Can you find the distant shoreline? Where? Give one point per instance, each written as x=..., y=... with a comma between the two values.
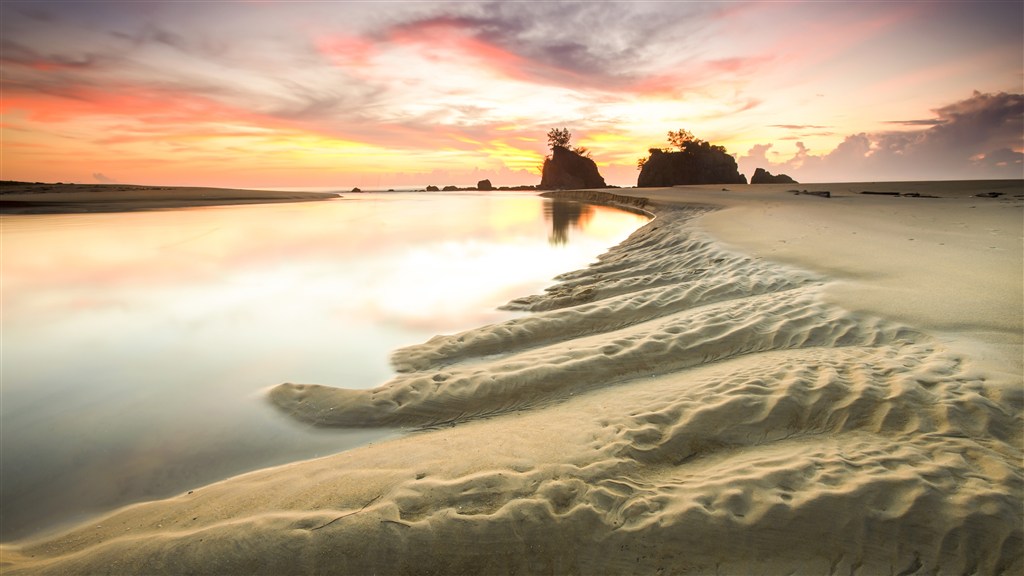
x=39, y=198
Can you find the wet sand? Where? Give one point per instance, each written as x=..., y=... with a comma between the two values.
x=77, y=198
x=756, y=381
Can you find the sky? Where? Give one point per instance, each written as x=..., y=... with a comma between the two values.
x=388, y=94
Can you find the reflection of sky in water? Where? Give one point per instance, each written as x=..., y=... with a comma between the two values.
x=136, y=346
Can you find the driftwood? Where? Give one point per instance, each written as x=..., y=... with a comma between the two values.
x=821, y=193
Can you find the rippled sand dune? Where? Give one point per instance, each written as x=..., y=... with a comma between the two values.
x=681, y=406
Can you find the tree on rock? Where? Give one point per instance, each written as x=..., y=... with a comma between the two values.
x=680, y=138
x=696, y=162
x=559, y=137
x=568, y=168
x=684, y=140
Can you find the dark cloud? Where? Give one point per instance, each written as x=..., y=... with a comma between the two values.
x=193, y=42
x=19, y=54
x=978, y=137
x=537, y=32
x=606, y=54
x=978, y=121
x=153, y=33
x=1002, y=160
x=38, y=13
x=551, y=60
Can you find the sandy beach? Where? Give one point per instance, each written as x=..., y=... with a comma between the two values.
x=758, y=381
x=26, y=198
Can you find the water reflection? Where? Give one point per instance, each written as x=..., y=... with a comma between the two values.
x=565, y=214
x=137, y=345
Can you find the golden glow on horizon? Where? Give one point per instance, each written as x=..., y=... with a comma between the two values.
x=406, y=96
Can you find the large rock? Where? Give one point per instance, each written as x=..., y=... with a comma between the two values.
x=484, y=185
x=698, y=163
x=567, y=170
x=762, y=176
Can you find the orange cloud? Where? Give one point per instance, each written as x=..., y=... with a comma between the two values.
x=138, y=103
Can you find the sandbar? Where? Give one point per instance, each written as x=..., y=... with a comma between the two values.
x=26, y=198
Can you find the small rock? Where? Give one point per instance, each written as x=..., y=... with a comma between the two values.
x=762, y=176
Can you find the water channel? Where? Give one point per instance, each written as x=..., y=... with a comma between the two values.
x=137, y=347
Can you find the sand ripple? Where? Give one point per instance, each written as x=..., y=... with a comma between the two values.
x=760, y=411
x=665, y=300
x=676, y=407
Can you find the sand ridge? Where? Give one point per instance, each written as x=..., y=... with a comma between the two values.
x=679, y=406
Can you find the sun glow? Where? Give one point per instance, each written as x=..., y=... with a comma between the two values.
x=421, y=88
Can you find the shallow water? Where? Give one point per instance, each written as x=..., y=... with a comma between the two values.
x=137, y=347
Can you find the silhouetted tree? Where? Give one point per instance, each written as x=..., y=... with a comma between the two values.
x=681, y=138
x=562, y=137
x=568, y=167
x=582, y=151
x=559, y=137
x=696, y=162
x=684, y=139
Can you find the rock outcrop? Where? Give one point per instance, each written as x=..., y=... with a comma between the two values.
x=567, y=170
x=484, y=185
x=762, y=176
x=697, y=163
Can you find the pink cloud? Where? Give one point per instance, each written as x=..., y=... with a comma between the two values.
x=347, y=51
x=442, y=38
x=78, y=102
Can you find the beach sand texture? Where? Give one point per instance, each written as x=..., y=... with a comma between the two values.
x=754, y=382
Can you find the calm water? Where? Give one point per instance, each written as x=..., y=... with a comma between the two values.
x=137, y=347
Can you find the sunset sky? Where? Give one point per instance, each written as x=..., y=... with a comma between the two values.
x=388, y=94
